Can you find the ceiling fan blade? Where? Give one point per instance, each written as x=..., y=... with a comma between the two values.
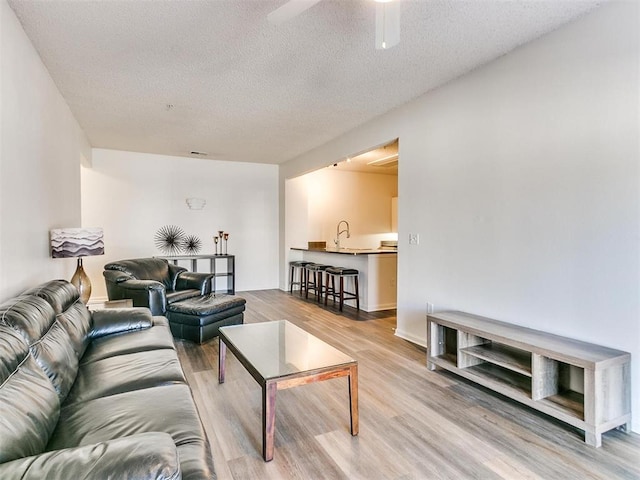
x=387, y=24
x=289, y=10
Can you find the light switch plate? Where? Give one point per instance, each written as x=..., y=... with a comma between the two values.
x=414, y=239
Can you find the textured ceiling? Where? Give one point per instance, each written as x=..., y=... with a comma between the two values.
x=243, y=89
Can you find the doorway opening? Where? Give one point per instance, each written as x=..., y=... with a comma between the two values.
x=362, y=190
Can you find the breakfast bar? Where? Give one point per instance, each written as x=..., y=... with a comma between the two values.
x=377, y=267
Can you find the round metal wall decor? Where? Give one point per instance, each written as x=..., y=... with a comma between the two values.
x=192, y=245
x=170, y=239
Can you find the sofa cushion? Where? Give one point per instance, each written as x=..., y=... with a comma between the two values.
x=210, y=304
x=56, y=356
x=135, y=412
x=60, y=294
x=180, y=295
x=31, y=316
x=48, y=340
x=143, y=456
x=71, y=312
x=29, y=405
x=125, y=373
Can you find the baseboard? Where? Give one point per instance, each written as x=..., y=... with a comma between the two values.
x=411, y=338
x=380, y=307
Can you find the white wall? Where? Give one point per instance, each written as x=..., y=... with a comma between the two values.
x=132, y=195
x=41, y=147
x=522, y=179
x=296, y=218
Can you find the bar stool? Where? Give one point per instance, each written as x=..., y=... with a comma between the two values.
x=297, y=267
x=314, y=279
x=342, y=294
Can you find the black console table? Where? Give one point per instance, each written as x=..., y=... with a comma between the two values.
x=228, y=270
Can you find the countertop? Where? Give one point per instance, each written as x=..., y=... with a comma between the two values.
x=348, y=251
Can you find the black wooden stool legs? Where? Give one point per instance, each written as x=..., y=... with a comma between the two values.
x=341, y=293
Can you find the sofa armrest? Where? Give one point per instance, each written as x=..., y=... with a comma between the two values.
x=174, y=271
x=144, y=293
x=194, y=280
x=117, y=320
x=116, y=276
x=150, y=455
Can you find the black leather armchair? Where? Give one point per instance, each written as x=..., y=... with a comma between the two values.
x=153, y=283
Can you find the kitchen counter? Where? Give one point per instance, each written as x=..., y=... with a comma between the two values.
x=348, y=251
x=377, y=277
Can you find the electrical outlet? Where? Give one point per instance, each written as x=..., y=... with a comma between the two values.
x=414, y=239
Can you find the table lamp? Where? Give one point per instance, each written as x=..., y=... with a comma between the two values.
x=78, y=242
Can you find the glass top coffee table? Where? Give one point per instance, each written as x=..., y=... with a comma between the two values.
x=280, y=355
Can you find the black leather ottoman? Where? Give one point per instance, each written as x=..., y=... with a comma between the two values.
x=198, y=319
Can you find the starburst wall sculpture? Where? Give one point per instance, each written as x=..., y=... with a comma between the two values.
x=192, y=245
x=171, y=240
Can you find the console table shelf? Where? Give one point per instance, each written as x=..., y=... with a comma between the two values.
x=582, y=384
x=227, y=271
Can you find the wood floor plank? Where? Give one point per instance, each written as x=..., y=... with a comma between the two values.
x=357, y=458
x=414, y=423
x=508, y=468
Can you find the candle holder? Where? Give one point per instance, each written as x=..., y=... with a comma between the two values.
x=215, y=240
x=226, y=238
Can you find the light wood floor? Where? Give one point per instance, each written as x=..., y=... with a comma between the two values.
x=414, y=424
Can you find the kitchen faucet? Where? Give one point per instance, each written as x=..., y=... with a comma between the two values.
x=338, y=232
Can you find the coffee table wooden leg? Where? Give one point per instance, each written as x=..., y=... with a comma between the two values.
x=353, y=399
x=268, y=419
x=222, y=358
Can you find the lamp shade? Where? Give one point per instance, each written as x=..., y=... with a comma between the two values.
x=76, y=242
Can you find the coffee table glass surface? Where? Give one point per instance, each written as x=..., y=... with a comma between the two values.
x=280, y=355
x=280, y=348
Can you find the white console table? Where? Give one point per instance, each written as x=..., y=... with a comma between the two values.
x=537, y=369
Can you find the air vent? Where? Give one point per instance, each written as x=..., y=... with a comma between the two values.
x=199, y=153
